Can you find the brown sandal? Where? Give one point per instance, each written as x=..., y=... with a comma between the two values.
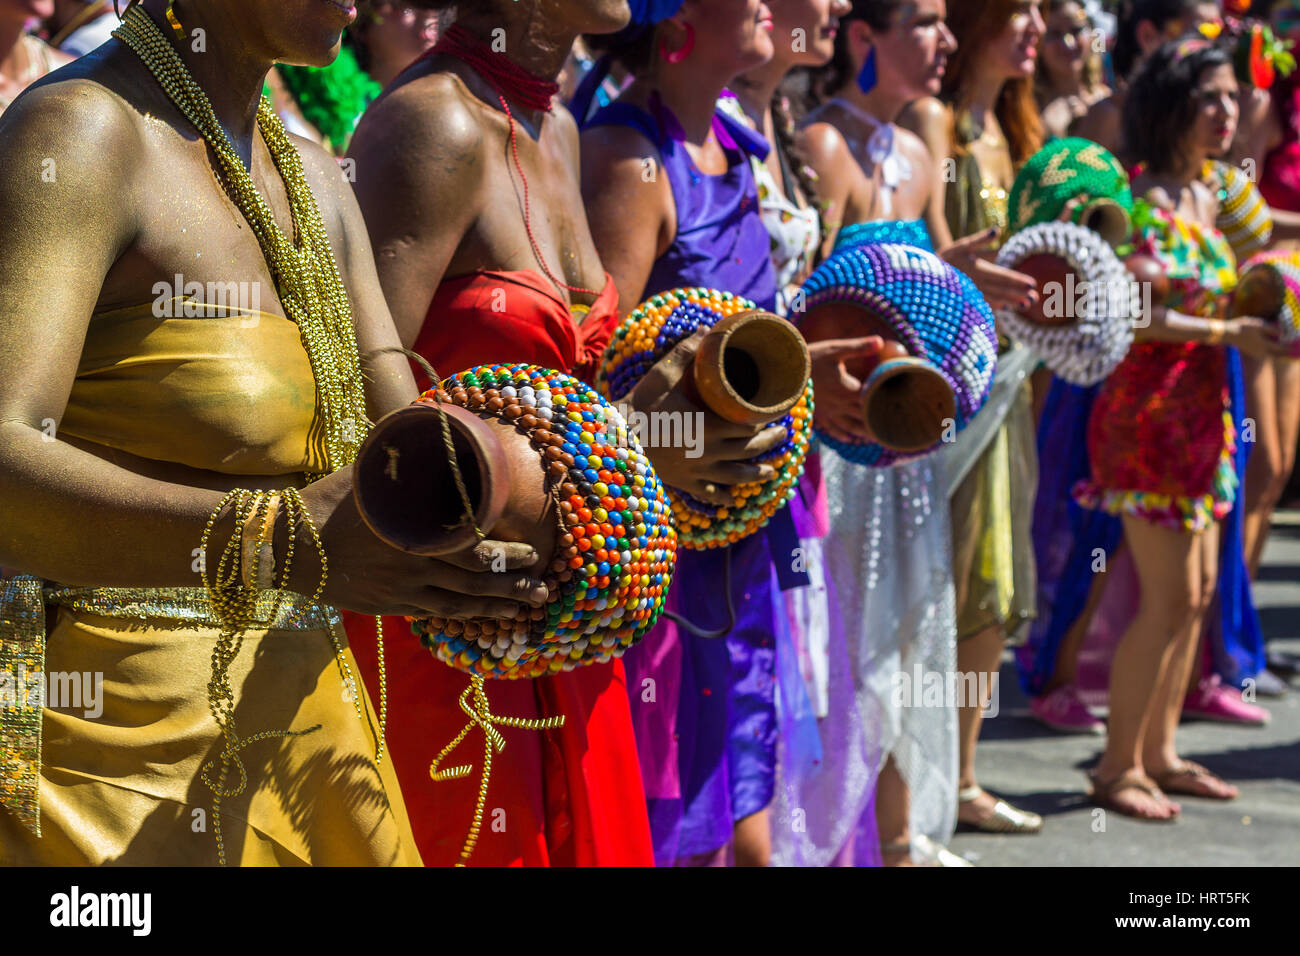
x=1180, y=780
x=1103, y=794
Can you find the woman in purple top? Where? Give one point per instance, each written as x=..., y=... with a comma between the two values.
x=672, y=202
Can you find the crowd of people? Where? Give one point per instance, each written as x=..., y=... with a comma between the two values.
x=503, y=182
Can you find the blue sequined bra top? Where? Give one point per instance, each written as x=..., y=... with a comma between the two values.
x=908, y=232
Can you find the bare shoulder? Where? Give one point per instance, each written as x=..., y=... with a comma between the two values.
x=913, y=148
x=429, y=125
x=924, y=113
x=75, y=132
x=930, y=119
x=327, y=177
x=616, y=163
x=630, y=207
x=77, y=106
x=615, y=141
x=822, y=143
x=826, y=150
x=1107, y=106
x=1101, y=123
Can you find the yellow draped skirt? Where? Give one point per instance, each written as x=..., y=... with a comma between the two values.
x=123, y=786
x=992, y=512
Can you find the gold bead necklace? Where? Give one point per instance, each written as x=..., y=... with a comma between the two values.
x=306, y=275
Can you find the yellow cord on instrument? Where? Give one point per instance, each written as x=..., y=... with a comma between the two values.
x=474, y=702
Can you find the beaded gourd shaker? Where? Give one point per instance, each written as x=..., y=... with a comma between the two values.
x=1281, y=272
x=615, y=551
x=1092, y=310
x=1067, y=169
x=644, y=337
x=937, y=314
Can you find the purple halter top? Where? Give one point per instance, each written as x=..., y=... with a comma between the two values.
x=721, y=241
x=708, y=755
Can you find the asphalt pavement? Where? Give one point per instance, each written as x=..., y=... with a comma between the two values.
x=1038, y=769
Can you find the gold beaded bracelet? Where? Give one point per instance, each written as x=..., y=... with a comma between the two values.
x=257, y=551
x=234, y=605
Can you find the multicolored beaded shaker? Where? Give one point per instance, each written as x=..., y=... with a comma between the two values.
x=644, y=337
x=617, y=547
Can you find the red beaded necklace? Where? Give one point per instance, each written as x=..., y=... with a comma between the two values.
x=529, y=89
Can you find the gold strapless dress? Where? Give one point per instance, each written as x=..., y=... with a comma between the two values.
x=234, y=395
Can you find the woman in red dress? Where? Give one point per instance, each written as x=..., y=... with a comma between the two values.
x=468, y=180
x=1160, y=438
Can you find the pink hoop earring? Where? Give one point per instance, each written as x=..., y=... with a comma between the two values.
x=676, y=56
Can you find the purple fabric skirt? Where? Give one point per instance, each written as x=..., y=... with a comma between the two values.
x=704, y=710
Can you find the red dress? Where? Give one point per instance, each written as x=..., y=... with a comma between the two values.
x=1161, y=438
x=1280, y=184
x=565, y=797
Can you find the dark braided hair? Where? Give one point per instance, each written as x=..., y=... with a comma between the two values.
x=784, y=128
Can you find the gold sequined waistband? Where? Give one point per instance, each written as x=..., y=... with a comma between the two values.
x=190, y=607
x=22, y=651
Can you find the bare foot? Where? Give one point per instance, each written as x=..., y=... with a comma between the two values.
x=1134, y=794
x=1193, y=780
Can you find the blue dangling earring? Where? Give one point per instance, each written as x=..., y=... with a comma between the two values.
x=867, y=77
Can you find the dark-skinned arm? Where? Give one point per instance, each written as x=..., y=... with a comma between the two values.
x=53, y=492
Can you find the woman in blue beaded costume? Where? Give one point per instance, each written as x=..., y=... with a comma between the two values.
x=984, y=125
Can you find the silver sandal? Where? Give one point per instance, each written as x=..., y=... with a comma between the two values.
x=1005, y=818
x=925, y=852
